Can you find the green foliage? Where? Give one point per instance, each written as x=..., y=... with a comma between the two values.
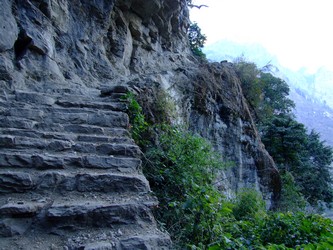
x=251, y=86
x=182, y=167
x=291, y=196
x=279, y=231
x=314, y=172
x=296, y=229
x=303, y=155
x=164, y=108
x=284, y=139
x=157, y=105
x=248, y=205
x=275, y=95
x=196, y=39
x=266, y=94
x=138, y=125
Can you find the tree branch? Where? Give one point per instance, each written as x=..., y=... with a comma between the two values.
x=196, y=6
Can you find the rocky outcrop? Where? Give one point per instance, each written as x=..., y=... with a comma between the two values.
x=209, y=100
x=218, y=111
x=70, y=173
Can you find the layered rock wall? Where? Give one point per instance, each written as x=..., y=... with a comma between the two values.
x=51, y=43
x=217, y=110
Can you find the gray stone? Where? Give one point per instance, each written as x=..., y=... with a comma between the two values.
x=146, y=242
x=8, y=27
x=110, y=119
x=7, y=141
x=15, y=122
x=121, y=164
x=107, y=91
x=22, y=209
x=15, y=182
x=83, y=129
x=91, y=182
x=30, y=97
x=6, y=67
x=116, y=106
x=98, y=246
x=111, y=183
x=32, y=160
x=14, y=226
x=146, y=9
x=97, y=214
x=118, y=149
x=56, y=181
x=34, y=28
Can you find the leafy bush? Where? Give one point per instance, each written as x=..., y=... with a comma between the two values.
x=182, y=167
x=296, y=229
x=292, y=199
x=138, y=124
x=248, y=205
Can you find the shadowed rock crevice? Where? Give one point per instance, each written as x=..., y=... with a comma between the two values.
x=22, y=44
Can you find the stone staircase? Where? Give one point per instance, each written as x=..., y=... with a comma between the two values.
x=70, y=174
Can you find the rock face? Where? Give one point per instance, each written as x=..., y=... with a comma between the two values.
x=70, y=174
x=218, y=111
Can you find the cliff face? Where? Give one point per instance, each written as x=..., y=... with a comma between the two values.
x=63, y=67
x=51, y=44
x=218, y=111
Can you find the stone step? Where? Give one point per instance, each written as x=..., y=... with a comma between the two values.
x=54, y=145
x=106, y=91
x=21, y=99
x=150, y=240
x=14, y=181
x=16, y=122
x=113, y=106
x=32, y=159
x=64, y=214
x=45, y=197
x=105, y=94
x=69, y=116
x=97, y=213
x=112, y=101
x=26, y=124
x=24, y=207
x=117, y=136
x=116, y=237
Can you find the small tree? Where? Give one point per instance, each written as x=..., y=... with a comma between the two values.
x=197, y=40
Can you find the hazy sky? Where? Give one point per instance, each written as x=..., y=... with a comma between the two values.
x=298, y=32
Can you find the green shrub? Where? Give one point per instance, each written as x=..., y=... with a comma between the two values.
x=248, y=205
x=196, y=39
x=138, y=125
x=182, y=168
x=291, y=198
x=296, y=229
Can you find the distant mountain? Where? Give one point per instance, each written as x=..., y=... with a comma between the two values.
x=312, y=93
